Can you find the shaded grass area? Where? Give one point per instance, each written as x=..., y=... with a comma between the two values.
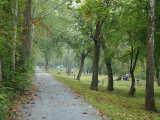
x=116, y=104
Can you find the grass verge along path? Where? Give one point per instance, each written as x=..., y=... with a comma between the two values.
x=114, y=104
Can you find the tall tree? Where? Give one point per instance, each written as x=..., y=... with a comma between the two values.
x=0, y=68
x=27, y=32
x=108, y=66
x=149, y=100
x=157, y=41
x=95, y=12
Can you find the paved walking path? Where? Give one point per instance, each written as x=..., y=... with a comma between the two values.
x=56, y=101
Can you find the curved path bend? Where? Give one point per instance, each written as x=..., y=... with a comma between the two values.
x=56, y=101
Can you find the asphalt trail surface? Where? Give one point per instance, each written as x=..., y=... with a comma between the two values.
x=56, y=101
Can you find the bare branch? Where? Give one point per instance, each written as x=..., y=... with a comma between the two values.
x=54, y=9
x=38, y=5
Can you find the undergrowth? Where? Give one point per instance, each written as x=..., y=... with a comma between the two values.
x=11, y=90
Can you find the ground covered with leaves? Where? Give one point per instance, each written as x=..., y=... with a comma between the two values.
x=11, y=99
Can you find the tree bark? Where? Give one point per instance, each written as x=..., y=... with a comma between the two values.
x=132, y=88
x=47, y=66
x=149, y=99
x=157, y=75
x=15, y=33
x=109, y=68
x=84, y=68
x=81, y=67
x=27, y=32
x=132, y=69
x=102, y=68
x=0, y=68
x=110, y=76
x=97, y=40
x=68, y=68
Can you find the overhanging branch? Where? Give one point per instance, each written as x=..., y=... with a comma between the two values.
x=54, y=9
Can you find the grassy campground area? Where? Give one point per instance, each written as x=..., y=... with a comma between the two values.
x=117, y=105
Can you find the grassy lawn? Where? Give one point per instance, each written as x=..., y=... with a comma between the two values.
x=117, y=105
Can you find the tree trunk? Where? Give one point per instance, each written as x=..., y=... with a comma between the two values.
x=15, y=33
x=157, y=75
x=0, y=68
x=97, y=40
x=47, y=66
x=132, y=89
x=81, y=68
x=101, y=71
x=27, y=32
x=110, y=76
x=149, y=99
x=132, y=69
x=109, y=68
x=32, y=27
x=84, y=68
x=68, y=68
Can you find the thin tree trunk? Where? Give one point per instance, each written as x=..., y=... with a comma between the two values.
x=132, y=69
x=68, y=69
x=15, y=33
x=84, y=68
x=102, y=68
x=32, y=27
x=132, y=88
x=97, y=40
x=47, y=66
x=110, y=77
x=149, y=99
x=0, y=67
x=81, y=68
x=157, y=75
x=109, y=68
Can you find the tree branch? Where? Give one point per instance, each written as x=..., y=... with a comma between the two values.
x=87, y=53
x=105, y=15
x=38, y=5
x=54, y=9
x=136, y=59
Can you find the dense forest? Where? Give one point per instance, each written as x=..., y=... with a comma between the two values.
x=96, y=37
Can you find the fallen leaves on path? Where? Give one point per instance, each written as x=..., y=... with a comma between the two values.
x=84, y=112
x=61, y=102
x=44, y=117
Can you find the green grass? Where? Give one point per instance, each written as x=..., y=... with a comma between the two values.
x=116, y=104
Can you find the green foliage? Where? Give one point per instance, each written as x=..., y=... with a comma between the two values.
x=7, y=96
x=16, y=73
